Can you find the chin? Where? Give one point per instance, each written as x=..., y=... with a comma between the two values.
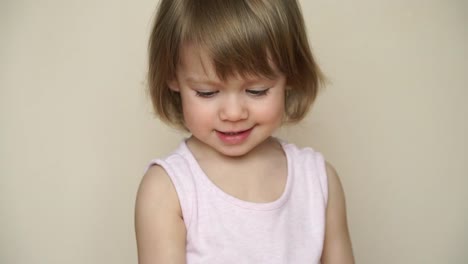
x=234, y=152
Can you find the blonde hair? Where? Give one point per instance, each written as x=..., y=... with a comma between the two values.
x=242, y=37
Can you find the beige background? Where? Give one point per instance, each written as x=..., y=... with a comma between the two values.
x=77, y=129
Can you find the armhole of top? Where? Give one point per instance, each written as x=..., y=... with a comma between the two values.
x=322, y=172
x=179, y=187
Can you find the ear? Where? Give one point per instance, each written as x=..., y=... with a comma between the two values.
x=173, y=85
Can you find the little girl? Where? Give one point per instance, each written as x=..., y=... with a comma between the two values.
x=230, y=72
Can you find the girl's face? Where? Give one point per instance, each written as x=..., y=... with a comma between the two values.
x=232, y=116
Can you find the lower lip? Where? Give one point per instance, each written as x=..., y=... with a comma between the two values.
x=234, y=139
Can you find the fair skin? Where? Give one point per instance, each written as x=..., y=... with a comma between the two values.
x=231, y=122
x=213, y=108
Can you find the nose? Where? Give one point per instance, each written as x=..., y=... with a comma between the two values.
x=233, y=109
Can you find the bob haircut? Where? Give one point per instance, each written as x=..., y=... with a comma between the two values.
x=242, y=37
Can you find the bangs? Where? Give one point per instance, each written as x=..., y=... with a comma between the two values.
x=240, y=38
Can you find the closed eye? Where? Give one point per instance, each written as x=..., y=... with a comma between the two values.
x=206, y=94
x=258, y=92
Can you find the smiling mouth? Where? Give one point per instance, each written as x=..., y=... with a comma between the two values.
x=234, y=137
x=234, y=133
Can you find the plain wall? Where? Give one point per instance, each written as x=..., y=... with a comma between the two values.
x=77, y=127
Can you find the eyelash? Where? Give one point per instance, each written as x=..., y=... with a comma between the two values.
x=255, y=93
x=259, y=92
x=206, y=94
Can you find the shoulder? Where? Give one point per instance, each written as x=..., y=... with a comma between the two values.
x=336, y=197
x=156, y=188
x=159, y=226
x=301, y=154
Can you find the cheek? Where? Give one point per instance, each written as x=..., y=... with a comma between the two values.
x=196, y=115
x=272, y=112
x=275, y=114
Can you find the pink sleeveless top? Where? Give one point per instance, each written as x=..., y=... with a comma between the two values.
x=223, y=229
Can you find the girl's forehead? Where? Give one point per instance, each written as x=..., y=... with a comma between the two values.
x=194, y=59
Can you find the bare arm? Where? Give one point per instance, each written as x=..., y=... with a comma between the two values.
x=337, y=246
x=159, y=226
